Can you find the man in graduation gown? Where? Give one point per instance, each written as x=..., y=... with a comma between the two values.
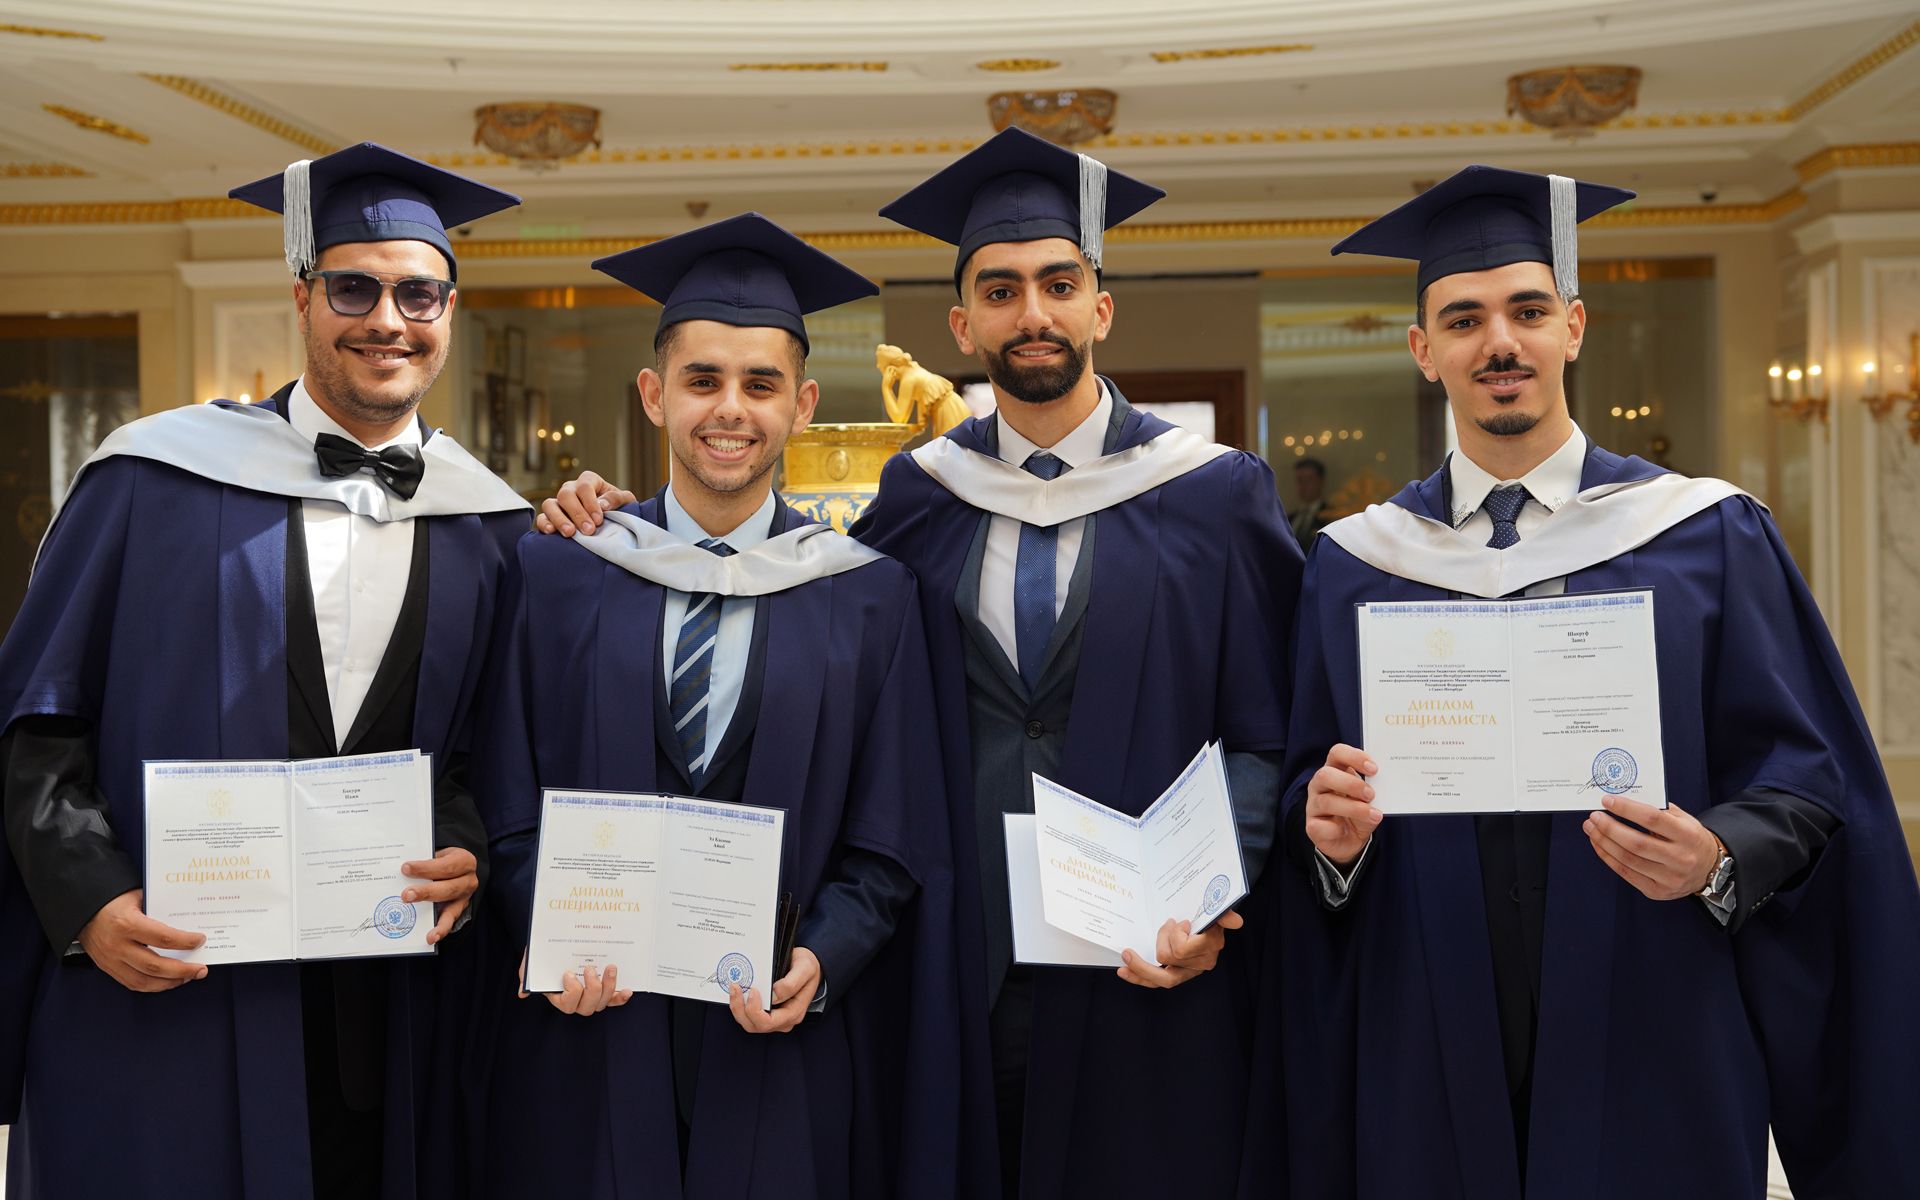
x=1614, y=1003
x=1104, y=592
x=709, y=642
x=312, y=575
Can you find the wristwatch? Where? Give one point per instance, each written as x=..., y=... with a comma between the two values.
x=1720, y=879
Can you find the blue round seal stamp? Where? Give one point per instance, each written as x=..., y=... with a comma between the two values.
x=734, y=968
x=1615, y=772
x=1216, y=893
x=394, y=917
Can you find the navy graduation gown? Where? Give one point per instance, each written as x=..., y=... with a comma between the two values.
x=1184, y=641
x=1665, y=1045
x=157, y=614
x=855, y=1101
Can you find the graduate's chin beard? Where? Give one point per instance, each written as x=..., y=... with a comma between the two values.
x=371, y=408
x=1508, y=424
x=1037, y=385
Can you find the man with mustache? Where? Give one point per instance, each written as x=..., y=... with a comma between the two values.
x=786, y=669
x=1100, y=648
x=1620, y=1002
x=308, y=576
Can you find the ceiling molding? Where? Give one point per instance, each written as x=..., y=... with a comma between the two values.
x=239, y=110
x=1213, y=55
x=1880, y=154
x=97, y=124
x=1855, y=71
x=42, y=170
x=38, y=31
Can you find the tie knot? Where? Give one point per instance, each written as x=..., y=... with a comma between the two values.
x=716, y=546
x=1503, y=504
x=1044, y=464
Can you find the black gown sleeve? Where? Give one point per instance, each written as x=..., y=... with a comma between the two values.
x=70, y=862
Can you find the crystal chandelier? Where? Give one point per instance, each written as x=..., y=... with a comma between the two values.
x=1572, y=101
x=537, y=134
x=1065, y=116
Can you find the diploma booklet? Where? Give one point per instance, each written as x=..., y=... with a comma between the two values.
x=682, y=895
x=1538, y=704
x=279, y=860
x=1113, y=880
x=1035, y=941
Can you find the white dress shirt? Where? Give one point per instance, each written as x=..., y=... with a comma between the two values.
x=733, y=645
x=1549, y=487
x=1077, y=449
x=358, y=569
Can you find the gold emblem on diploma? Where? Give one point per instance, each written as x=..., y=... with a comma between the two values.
x=1440, y=644
x=219, y=804
x=603, y=835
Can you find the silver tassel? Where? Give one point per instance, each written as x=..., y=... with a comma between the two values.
x=1563, y=208
x=296, y=223
x=1093, y=209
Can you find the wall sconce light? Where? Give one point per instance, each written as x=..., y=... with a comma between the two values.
x=1792, y=391
x=1881, y=403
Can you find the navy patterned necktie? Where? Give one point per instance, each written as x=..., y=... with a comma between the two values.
x=1034, y=580
x=1503, y=504
x=689, y=689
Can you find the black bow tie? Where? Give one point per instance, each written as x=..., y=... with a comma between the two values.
x=399, y=467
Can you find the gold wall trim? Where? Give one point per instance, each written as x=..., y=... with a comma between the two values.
x=604, y=296
x=42, y=170
x=239, y=110
x=38, y=31
x=1173, y=56
x=1882, y=154
x=128, y=212
x=1017, y=64
x=97, y=124
x=1855, y=71
x=209, y=208
x=807, y=66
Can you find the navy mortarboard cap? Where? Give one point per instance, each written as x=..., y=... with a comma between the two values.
x=368, y=193
x=1016, y=187
x=744, y=270
x=1487, y=217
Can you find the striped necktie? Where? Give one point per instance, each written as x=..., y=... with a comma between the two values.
x=689, y=688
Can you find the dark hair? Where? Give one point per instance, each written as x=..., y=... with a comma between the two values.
x=1312, y=464
x=667, y=336
x=1420, y=308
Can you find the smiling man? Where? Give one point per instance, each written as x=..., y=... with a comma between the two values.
x=1614, y=1003
x=308, y=576
x=786, y=669
x=1100, y=646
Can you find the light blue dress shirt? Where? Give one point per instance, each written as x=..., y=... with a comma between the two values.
x=734, y=643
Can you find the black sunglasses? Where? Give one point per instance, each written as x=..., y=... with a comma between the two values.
x=357, y=293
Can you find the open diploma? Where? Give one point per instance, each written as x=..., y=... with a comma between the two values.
x=1528, y=705
x=1113, y=880
x=290, y=860
x=680, y=894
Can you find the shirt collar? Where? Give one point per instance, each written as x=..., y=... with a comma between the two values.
x=742, y=538
x=1077, y=449
x=1552, y=483
x=309, y=420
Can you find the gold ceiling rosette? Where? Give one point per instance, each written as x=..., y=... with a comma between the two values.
x=1063, y=116
x=1572, y=102
x=537, y=134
